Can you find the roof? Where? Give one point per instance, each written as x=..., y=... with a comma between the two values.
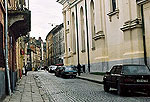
x=55, y=30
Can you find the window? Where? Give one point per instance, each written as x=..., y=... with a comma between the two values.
x=82, y=30
x=68, y=22
x=2, y=61
x=73, y=33
x=92, y=23
x=113, y=70
x=118, y=70
x=113, y=5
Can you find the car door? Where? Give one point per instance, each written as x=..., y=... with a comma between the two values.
x=112, y=72
x=117, y=76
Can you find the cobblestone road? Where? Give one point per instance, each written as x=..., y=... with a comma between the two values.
x=77, y=90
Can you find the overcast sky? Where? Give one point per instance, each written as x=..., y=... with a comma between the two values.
x=44, y=13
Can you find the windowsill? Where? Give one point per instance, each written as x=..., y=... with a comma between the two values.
x=93, y=48
x=83, y=51
x=111, y=13
x=98, y=36
x=74, y=53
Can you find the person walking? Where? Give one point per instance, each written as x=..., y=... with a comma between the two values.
x=79, y=69
x=26, y=70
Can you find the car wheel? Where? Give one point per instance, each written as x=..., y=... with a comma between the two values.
x=148, y=93
x=119, y=89
x=106, y=87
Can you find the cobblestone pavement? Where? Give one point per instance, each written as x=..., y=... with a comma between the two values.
x=77, y=90
x=27, y=91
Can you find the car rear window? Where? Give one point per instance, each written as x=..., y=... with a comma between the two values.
x=69, y=69
x=136, y=70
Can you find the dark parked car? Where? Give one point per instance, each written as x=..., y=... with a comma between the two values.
x=69, y=71
x=58, y=71
x=66, y=71
x=128, y=77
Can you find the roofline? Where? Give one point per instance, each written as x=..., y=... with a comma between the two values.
x=54, y=29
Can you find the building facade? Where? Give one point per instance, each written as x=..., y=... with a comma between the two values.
x=2, y=43
x=49, y=49
x=145, y=15
x=55, y=46
x=18, y=25
x=100, y=33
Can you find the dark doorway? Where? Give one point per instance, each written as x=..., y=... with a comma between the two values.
x=2, y=61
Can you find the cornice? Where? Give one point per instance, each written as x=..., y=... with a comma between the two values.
x=62, y=1
x=132, y=24
x=139, y=2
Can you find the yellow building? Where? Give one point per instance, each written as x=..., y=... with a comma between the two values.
x=145, y=15
x=49, y=49
x=18, y=24
x=100, y=33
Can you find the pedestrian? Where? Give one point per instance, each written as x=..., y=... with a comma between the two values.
x=79, y=69
x=26, y=70
x=83, y=68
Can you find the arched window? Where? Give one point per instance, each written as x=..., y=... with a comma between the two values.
x=2, y=61
x=92, y=23
x=82, y=29
x=73, y=33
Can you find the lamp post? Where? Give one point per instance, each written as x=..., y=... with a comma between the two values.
x=6, y=46
x=87, y=36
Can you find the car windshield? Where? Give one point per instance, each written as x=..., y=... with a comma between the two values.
x=136, y=70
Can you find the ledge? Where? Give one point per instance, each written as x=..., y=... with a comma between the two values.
x=98, y=36
x=139, y=2
x=83, y=50
x=111, y=13
x=67, y=31
x=132, y=24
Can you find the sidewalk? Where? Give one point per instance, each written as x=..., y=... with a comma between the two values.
x=91, y=77
x=27, y=91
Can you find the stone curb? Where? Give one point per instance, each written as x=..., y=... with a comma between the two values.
x=92, y=80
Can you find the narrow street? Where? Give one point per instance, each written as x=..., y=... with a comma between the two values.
x=77, y=90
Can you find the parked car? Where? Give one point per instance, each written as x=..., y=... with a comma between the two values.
x=52, y=68
x=58, y=71
x=128, y=77
x=66, y=71
x=69, y=71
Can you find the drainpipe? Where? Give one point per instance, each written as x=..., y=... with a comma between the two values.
x=143, y=33
x=87, y=36
x=6, y=46
x=77, y=34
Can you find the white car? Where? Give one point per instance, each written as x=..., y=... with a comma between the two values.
x=52, y=68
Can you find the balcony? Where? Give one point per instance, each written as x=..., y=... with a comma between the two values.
x=139, y=2
x=19, y=22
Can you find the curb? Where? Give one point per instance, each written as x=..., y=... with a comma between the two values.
x=99, y=82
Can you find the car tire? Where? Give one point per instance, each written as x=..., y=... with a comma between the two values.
x=106, y=87
x=148, y=93
x=119, y=89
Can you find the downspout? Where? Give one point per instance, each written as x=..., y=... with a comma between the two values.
x=87, y=37
x=6, y=47
x=143, y=34
x=77, y=34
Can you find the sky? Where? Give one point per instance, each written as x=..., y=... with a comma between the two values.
x=44, y=13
